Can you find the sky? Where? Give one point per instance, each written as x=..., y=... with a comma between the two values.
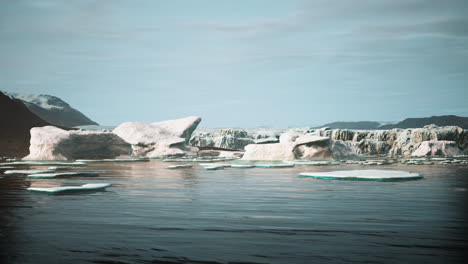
x=243, y=63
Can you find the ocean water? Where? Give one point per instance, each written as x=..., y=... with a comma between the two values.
x=155, y=215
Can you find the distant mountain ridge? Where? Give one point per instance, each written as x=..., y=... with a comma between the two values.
x=53, y=109
x=447, y=120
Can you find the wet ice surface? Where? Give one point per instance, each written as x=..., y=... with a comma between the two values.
x=154, y=215
x=387, y=175
x=84, y=187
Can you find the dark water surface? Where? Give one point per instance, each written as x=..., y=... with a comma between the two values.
x=155, y=215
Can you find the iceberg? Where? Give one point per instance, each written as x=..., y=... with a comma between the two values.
x=11, y=172
x=364, y=175
x=159, y=139
x=85, y=187
x=53, y=143
x=63, y=174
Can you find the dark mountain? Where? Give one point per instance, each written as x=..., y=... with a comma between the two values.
x=53, y=110
x=15, y=122
x=367, y=125
x=448, y=120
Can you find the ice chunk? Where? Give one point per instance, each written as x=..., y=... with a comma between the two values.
x=45, y=163
x=113, y=160
x=214, y=164
x=11, y=172
x=56, y=168
x=198, y=160
x=85, y=187
x=7, y=168
x=63, y=174
x=214, y=167
x=242, y=166
x=179, y=166
x=371, y=175
x=313, y=162
x=273, y=165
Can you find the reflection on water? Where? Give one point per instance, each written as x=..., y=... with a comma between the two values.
x=155, y=215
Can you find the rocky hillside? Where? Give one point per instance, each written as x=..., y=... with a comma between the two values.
x=53, y=110
x=448, y=120
x=15, y=121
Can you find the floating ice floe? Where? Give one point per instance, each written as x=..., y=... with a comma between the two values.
x=313, y=162
x=242, y=166
x=214, y=167
x=198, y=160
x=6, y=167
x=225, y=165
x=43, y=163
x=371, y=175
x=266, y=165
x=85, y=187
x=63, y=174
x=179, y=166
x=56, y=168
x=113, y=160
x=11, y=172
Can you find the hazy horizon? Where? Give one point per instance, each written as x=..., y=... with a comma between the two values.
x=243, y=63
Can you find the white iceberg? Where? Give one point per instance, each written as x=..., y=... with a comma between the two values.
x=63, y=174
x=371, y=175
x=159, y=139
x=53, y=143
x=85, y=187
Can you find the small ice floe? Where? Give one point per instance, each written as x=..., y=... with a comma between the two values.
x=313, y=162
x=6, y=167
x=11, y=172
x=62, y=174
x=44, y=163
x=85, y=187
x=369, y=175
x=214, y=167
x=242, y=166
x=58, y=168
x=179, y=166
x=225, y=165
x=198, y=160
x=273, y=165
x=113, y=160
